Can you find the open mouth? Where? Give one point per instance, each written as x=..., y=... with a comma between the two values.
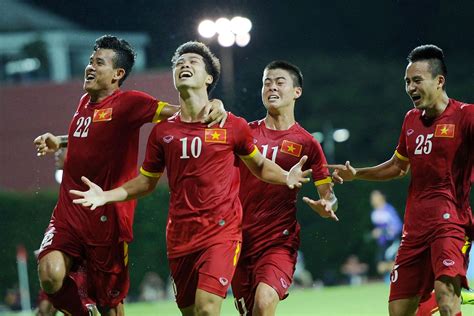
x=273, y=97
x=185, y=74
x=90, y=77
x=415, y=98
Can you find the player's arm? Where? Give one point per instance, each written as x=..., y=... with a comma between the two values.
x=268, y=171
x=49, y=143
x=326, y=206
x=139, y=186
x=395, y=167
x=214, y=112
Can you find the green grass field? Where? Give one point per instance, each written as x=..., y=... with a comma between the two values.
x=364, y=300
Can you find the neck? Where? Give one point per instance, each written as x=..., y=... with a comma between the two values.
x=100, y=95
x=193, y=103
x=280, y=121
x=438, y=107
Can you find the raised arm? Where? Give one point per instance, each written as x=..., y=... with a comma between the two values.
x=395, y=167
x=49, y=143
x=139, y=186
x=268, y=171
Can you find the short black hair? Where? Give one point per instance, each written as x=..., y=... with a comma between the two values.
x=294, y=71
x=211, y=62
x=124, y=53
x=433, y=55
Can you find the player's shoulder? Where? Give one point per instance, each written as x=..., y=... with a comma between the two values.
x=463, y=107
x=257, y=124
x=134, y=94
x=233, y=119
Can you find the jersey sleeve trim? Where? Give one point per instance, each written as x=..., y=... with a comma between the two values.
x=400, y=156
x=323, y=181
x=253, y=153
x=160, y=107
x=150, y=174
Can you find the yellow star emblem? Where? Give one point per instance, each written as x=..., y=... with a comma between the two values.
x=102, y=115
x=215, y=135
x=444, y=130
x=291, y=148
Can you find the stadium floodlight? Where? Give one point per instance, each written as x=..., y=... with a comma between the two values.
x=207, y=28
x=340, y=135
x=230, y=32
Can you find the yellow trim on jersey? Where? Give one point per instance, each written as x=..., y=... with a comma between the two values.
x=236, y=255
x=323, y=181
x=400, y=156
x=253, y=153
x=150, y=174
x=467, y=245
x=160, y=107
x=125, y=253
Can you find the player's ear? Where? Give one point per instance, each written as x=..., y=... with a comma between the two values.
x=209, y=79
x=119, y=74
x=441, y=81
x=298, y=92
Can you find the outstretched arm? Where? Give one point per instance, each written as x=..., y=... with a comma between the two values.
x=393, y=168
x=268, y=171
x=49, y=143
x=139, y=186
x=214, y=112
x=326, y=206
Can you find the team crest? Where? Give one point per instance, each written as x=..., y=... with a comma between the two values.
x=102, y=115
x=444, y=130
x=215, y=135
x=291, y=148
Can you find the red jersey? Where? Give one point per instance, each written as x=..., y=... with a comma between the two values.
x=203, y=178
x=270, y=210
x=440, y=152
x=103, y=146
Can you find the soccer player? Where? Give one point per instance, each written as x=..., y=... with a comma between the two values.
x=204, y=222
x=270, y=229
x=103, y=145
x=436, y=142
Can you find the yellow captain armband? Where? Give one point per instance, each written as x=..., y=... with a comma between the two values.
x=400, y=156
x=323, y=181
x=150, y=174
x=160, y=107
x=253, y=153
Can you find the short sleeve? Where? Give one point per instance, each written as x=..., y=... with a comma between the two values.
x=316, y=161
x=154, y=162
x=143, y=108
x=244, y=145
x=401, y=152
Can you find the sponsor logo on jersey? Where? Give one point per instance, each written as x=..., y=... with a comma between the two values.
x=215, y=135
x=394, y=274
x=448, y=262
x=223, y=281
x=409, y=132
x=283, y=283
x=444, y=130
x=167, y=139
x=102, y=115
x=291, y=148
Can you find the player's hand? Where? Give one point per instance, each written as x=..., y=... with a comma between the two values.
x=342, y=173
x=46, y=143
x=92, y=198
x=297, y=177
x=215, y=113
x=321, y=207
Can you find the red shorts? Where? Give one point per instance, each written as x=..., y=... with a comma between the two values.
x=209, y=269
x=416, y=268
x=106, y=267
x=274, y=267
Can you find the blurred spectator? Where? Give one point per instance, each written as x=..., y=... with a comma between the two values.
x=354, y=270
x=386, y=232
x=12, y=299
x=302, y=277
x=152, y=288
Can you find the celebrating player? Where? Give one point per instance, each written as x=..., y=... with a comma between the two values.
x=436, y=141
x=205, y=214
x=270, y=230
x=102, y=145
